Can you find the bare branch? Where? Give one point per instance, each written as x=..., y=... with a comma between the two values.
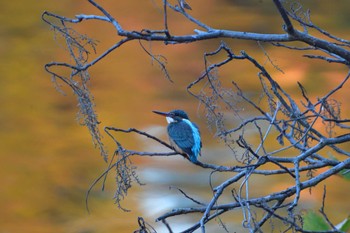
x=279, y=136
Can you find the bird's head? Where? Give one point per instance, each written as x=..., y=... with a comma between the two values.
x=174, y=115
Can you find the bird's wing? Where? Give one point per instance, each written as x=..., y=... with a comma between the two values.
x=200, y=141
x=181, y=137
x=200, y=146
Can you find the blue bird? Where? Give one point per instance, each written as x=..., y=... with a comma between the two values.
x=183, y=134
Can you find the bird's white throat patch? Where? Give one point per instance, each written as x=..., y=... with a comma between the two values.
x=169, y=120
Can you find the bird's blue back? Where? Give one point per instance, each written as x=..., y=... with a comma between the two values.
x=186, y=136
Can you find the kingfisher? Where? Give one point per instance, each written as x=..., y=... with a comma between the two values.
x=183, y=134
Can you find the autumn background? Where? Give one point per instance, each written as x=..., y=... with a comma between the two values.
x=48, y=161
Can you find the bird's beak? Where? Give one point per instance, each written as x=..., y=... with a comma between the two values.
x=161, y=113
